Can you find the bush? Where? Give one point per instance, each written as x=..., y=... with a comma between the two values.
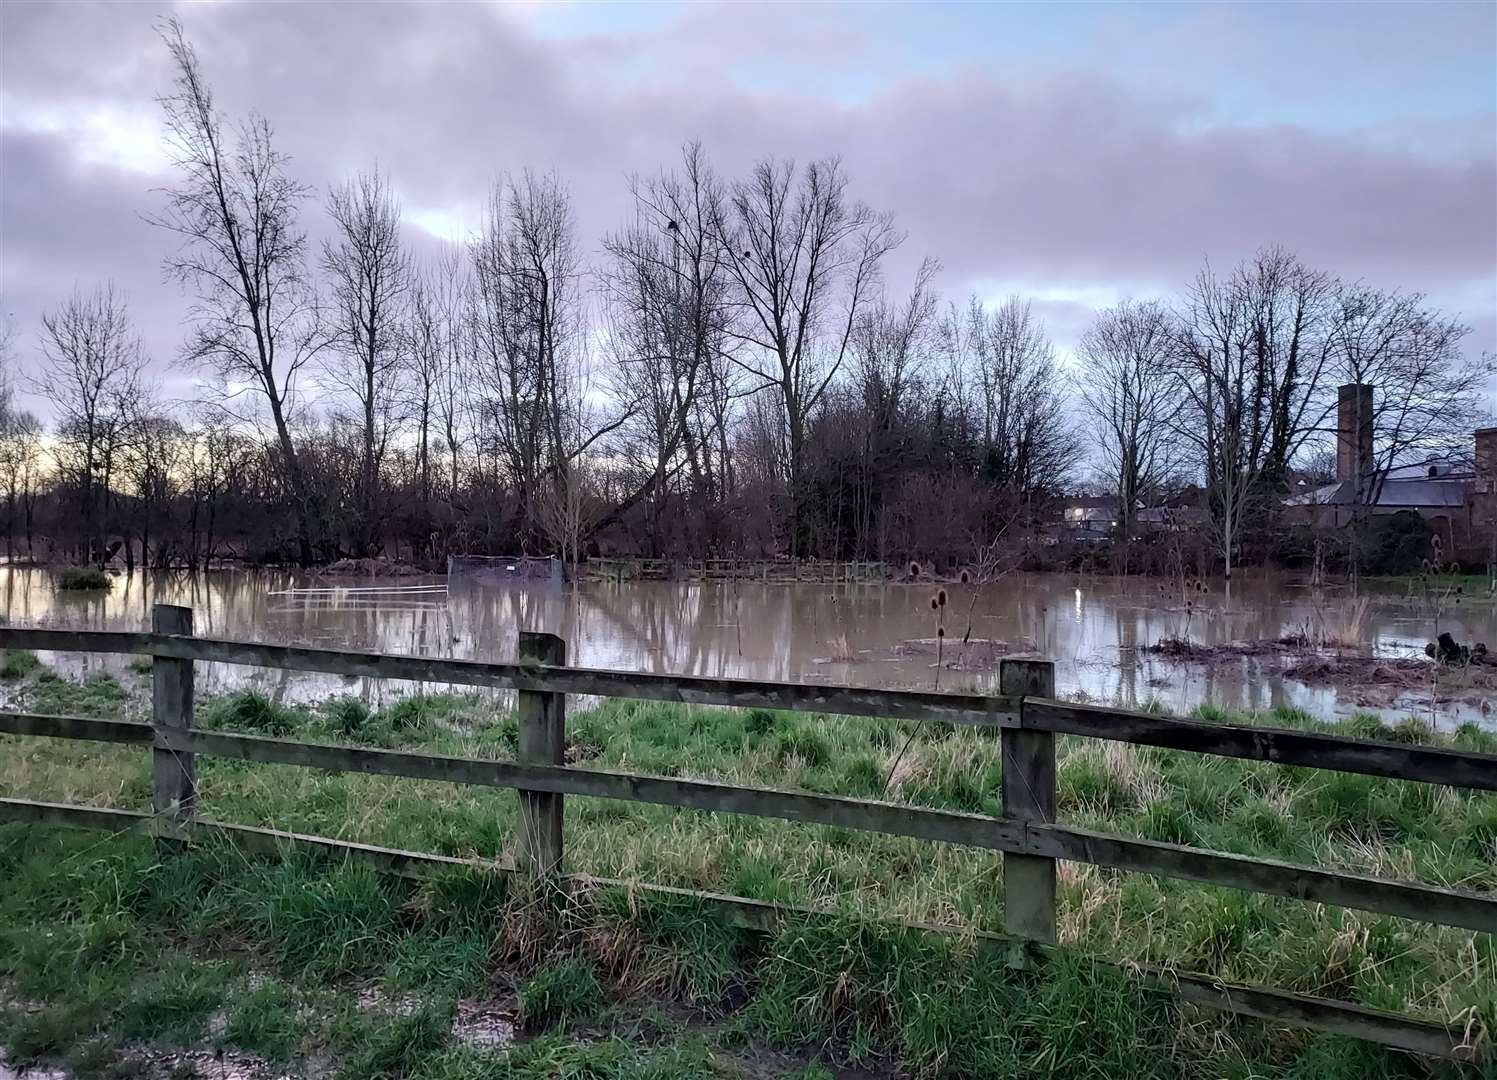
x=18, y=663
x=417, y=711
x=84, y=579
x=808, y=746
x=349, y=715
x=1395, y=544
x=250, y=710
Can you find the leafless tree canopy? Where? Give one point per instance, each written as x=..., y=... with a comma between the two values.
x=235, y=207
x=1125, y=389
x=368, y=273
x=667, y=289
x=1428, y=393
x=1010, y=389
x=730, y=371
x=1254, y=349
x=805, y=260
x=91, y=373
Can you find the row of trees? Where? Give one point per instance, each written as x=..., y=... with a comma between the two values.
x=732, y=376
x=1234, y=388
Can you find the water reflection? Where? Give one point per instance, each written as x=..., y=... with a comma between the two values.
x=1096, y=629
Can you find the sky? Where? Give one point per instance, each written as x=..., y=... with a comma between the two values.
x=1075, y=153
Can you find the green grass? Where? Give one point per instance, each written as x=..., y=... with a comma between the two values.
x=86, y=904
x=560, y=992
x=198, y=950
x=252, y=711
x=84, y=579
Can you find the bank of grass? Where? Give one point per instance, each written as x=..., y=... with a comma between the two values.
x=869, y=991
x=1449, y=587
x=326, y=967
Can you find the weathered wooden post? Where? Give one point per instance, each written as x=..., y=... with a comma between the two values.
x=173, y=772
x=1028, y=795
x=542, y=717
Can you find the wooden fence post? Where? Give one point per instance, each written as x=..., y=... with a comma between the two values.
x=1028, y=795
x=543, y=723
x=173, y=773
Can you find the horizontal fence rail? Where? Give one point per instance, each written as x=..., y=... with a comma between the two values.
x=1280, y=745
x=1283, y=746
x=1024, y=715
x=973, y=709
x=1427, y=903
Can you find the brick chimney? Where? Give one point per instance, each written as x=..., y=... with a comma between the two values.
x=1353, y=431
x=1486, y=460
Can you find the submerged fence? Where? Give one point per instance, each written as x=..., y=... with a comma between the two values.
x=1024, y=714
x=765, y=571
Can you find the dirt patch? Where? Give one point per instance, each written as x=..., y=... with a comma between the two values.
x=32, y=1072
x=1372, y=681
x=485, y=1023
x=976, y=654
x=1185, y=649
x=1395, y=674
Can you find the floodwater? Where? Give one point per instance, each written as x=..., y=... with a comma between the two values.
x=1095, y=628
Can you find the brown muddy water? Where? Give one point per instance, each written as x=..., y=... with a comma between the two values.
x=1097, y=629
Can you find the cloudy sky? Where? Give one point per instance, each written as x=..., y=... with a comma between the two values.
x=1076, y=153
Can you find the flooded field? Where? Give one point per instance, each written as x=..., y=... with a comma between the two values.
x=1099, y=630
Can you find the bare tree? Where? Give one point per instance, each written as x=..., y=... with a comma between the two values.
x=151, y=466
x=213, y=458
x=524, y=270
x=1004, y=367
x=667, y=286
x=527, y=336
x=255, y=317
x=1427, y=394
x=890, y=346
x=450, y=285
x=369, y=272
x=1125, y=385
x=20, y=445
x=21, y=467
x=1252, y=350
x=805, y=261
x=91, y=372
x=425, y=352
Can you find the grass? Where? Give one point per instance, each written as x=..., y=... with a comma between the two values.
x=867, y=993
x=562, y=991
x=84, y=579
x=106, y=944
x=1468, y=586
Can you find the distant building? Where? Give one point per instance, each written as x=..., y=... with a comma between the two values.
x=1458, y=496
x=1091, y=511
x=1090, y=517
x=1173, y=515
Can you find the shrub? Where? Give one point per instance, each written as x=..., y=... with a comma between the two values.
x=418, y=710
x=250, y=710
x=349, y=715
x=18, y=663
x=809, y=746
x=759, y=721
x=84, y=579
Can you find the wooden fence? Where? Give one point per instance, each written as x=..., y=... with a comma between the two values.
x=766, y=571
x=1024, y=714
